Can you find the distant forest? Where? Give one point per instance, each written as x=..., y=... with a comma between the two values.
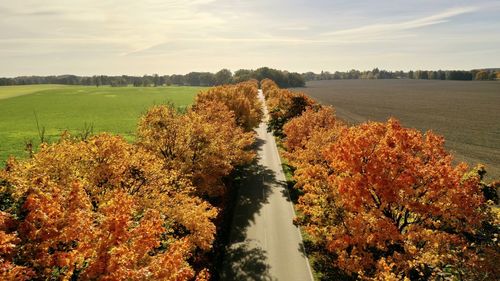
x=475, y=74
x=284, y=79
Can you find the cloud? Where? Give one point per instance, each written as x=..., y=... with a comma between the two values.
x=134, y=25
x=178, y=35
x=364, y=34
x=387, y=28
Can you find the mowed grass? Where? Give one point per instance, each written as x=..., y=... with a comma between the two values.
x=466, y=113
x=60, y=108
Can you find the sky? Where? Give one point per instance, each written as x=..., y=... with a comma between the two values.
x=87, y=37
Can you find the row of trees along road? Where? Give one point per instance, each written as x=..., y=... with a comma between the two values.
x=382, y=202
x=283, y=78
x=105, y=209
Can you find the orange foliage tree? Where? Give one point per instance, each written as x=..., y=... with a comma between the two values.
x=305, y=141
x=314, y=120
x=103, y=209
x=386, y=202
x=268, y=86
x=283, y=105
x=9, y=241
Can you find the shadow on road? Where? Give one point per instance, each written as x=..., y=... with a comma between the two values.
x=252, y=194
x=242, y=260
x=245, y=263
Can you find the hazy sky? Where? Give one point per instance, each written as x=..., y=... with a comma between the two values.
x=87, y=37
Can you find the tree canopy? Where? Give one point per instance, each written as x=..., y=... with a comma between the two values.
x=105, y=209
x=379, y=201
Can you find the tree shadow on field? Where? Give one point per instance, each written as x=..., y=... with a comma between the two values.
x=244, y=259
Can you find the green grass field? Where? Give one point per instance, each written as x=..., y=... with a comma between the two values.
x=59, y=108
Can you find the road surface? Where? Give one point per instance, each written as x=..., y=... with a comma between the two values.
x=264, y=243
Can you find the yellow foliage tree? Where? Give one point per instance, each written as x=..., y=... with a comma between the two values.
x=103, y=208
x=241, y=99
x=204, y=144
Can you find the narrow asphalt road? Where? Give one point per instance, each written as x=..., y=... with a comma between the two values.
x=264, y=243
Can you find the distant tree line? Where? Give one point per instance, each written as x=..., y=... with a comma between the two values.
x=475, y=74
x=284, y=79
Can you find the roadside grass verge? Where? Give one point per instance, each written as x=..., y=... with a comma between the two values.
x=295, y=193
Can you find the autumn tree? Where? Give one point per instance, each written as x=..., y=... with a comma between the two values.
x=482, y=75
x=314, y=120
x=387, y=203
x=383, y=202
x=9, y=241
x=284, y=105
x=207, y=142
x=306, y=137
x=103, y=209
x=241, y=99
x=267, y=85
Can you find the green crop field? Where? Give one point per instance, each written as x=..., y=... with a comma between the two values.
x=466, y=113
x=73, y=108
